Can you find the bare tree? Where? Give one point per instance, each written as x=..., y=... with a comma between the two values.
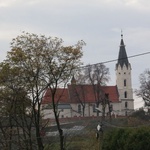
x=97, y=75
x=144, y=90
x=60, y=70
x=77, y=89
x=78, y=94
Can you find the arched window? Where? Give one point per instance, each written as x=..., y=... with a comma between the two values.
x=125, y=94
x=79, y=108
x=126, y=104
x=125, y=82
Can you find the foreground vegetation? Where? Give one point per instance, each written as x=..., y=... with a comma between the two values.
x=34, y=64
x=129, y=133
x=127, y=139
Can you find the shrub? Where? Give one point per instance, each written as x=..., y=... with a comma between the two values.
x=127, y=139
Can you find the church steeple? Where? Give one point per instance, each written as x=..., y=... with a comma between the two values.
x=122, y=57
x=123, y=78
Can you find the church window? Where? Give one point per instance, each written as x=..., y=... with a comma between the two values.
x=125, y=94
x=125, y=82
x=126, y=104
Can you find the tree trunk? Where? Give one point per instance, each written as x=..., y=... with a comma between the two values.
x=39, y=139
x=97, y=105
x=103, y=112
x=37, y=126
x=110, y=109
x=61, y=136
x=83, y=109
x=61, y=139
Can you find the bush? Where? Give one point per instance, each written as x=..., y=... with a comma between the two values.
x=141, y=115
x=127, y=139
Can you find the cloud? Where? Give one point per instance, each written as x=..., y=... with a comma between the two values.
x=97, y=22
x=6, y=3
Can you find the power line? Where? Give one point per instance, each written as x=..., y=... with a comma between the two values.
x=109, y=61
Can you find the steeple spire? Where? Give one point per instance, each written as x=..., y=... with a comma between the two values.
x=122, y=57
x=121, y=34
x=123, y=78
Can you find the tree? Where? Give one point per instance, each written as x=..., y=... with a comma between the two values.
x=140, y=114
x=98, y=75
x=78, y=94
x=144, y=90
x=60, y=69
x=12, y=92
x=127, y=139
x=43, y=62
x=14, y=105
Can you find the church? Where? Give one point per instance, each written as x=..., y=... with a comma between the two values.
x=80, y=101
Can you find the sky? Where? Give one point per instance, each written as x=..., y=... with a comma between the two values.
x=97, y=22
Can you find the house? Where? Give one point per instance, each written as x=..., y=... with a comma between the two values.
x=82, y=100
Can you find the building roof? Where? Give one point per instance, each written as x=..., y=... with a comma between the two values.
x=88, y=93
x=61, y=96
x=84, y=93
x=122, y=57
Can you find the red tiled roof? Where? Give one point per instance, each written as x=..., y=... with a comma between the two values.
x=86, y=92
x=61, y=96
x=113, y=93
x=76, y=93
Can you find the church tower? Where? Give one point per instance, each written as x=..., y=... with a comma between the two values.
x=123, y=80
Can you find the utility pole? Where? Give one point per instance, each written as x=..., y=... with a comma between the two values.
x=99, y=135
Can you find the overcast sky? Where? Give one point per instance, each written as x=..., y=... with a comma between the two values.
x=97, y=22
